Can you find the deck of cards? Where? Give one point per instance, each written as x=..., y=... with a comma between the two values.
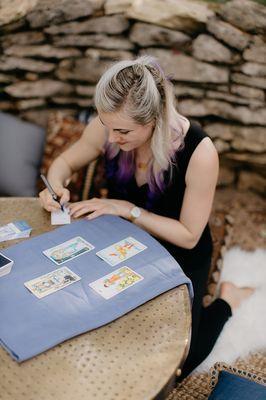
x=5, y=265
x=14, y=230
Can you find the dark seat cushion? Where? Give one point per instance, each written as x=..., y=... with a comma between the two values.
x=21, y=148
x=234, y=387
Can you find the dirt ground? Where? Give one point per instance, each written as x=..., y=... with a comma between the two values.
x=245, y=213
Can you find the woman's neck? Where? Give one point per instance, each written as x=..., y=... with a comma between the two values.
x=143, y=154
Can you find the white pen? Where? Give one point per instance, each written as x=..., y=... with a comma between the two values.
x=51, y=191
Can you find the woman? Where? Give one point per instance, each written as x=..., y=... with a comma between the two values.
x=161, y=174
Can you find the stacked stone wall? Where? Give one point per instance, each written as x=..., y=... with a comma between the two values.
x=54, y=51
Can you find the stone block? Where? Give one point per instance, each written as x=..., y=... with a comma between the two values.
x=179, y=15
x=45, y=51
x=248, y=92
x=228, y=33
x=41, y=88
x=258, y=82
x=245, y=14
x=184, y=68
x=97, y=40
x=49, y=12
x=245, y=115
x=256, y=52
x=150, y=35
x=111, y=25
x=82, y=69
x=26, y=64
x=206, y=48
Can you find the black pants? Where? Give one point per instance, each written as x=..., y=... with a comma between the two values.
x=208, y=322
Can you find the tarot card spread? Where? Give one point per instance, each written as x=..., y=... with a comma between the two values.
x=68, y=250
x=121, y=251
x=51, y=282
x=116, y=282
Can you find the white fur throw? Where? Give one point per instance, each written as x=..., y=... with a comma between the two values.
x=245, y=331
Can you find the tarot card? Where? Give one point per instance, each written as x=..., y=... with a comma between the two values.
x=51, y=282
x=60, y=217
x=116, y=282
x=68, y=250
x=121, y=251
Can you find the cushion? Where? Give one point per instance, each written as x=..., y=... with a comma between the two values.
x=21, y=148
x=233, y=384
x=62, y=132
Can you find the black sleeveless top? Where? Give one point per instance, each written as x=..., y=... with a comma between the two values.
x=169, y=202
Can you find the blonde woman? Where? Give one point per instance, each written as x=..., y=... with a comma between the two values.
x=161, y=174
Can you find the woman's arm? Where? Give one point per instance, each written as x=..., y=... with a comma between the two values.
x=81, y=153
x=85, y=150
x=201, y=179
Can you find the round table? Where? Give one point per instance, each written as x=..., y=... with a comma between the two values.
x=135, y=357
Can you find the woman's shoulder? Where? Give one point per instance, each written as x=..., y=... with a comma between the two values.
x=197, y=144
x=95, y=133
x=195, y=133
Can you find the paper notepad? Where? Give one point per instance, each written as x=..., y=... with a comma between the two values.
x=60, y=217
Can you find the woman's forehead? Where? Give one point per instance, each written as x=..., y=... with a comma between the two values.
x=117, y=120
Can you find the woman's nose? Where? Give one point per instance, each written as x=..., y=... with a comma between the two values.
x=113, y=137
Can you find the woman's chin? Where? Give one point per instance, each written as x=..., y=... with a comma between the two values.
x=126, y=147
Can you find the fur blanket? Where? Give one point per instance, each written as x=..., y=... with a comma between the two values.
x=245, y=331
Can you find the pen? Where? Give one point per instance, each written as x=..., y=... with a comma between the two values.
x=52, y=192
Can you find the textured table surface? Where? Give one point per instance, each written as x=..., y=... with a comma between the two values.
x=130, y=358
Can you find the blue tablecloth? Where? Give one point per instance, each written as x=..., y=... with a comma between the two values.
x=29, y=326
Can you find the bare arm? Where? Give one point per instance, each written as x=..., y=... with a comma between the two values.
x=201, y=179
x=82, y=152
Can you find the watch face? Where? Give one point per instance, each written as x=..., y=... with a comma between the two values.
x=135, y=212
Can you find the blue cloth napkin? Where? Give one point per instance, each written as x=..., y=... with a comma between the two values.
x=29, y=326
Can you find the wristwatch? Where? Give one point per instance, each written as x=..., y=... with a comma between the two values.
x=135, y=212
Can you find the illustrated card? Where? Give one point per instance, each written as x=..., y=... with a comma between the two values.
x=51, y=282
x=116, y=282
x=121, y=251
x=68, y=250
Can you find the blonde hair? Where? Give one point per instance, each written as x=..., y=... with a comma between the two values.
x=141, y=89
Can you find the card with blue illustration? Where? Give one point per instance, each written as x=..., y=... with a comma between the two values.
x=68, y=250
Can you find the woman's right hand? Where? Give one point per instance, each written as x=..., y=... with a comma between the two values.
x=48, y=203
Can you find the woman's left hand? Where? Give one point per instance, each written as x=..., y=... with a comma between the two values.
x=96, y=207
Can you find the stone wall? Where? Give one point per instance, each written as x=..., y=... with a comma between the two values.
x=54, y=51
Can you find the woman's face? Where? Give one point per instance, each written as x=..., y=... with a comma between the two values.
x=125, y=132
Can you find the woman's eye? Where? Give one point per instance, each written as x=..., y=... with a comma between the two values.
x=124, y=132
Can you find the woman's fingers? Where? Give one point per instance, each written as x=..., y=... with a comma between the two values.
x=64, y=196
x=48, y=203
x=80, y=209
x=96, y=213
x=89, y=205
